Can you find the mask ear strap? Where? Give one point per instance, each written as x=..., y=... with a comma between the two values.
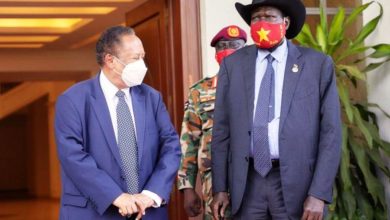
x=119, y=60
x=113, y=69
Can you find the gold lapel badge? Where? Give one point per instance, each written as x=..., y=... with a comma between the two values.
x=295, y=68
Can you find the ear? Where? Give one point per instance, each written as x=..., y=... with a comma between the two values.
x=287, y=22
x=108, y=60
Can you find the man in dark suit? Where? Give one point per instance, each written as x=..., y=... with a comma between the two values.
x=118, y=150
x=277, y=128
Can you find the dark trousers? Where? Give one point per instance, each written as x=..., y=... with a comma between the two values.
x=132, y=217
x=263, y=198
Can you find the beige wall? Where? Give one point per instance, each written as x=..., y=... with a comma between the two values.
x=18, y=60
x=38, y=171
x=13, y=136
x=378, y=87
x=215, y=15
x=379, y=79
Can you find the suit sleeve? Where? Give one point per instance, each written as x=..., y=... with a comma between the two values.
x=164, y=173
x=329, y=148
x=221, y=134
x=95, y=184
x=191, y=132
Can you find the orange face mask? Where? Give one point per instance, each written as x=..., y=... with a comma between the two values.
x=222, y=54
x=267, y=35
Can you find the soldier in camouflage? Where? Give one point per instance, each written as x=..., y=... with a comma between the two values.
x=197, y=127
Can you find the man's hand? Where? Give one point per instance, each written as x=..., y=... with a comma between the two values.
x=143, y=202
x=219, y=204
x=192, y=204
x=313, y=209
x=126, y=204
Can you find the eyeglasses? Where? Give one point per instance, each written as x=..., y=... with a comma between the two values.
x=231, y=44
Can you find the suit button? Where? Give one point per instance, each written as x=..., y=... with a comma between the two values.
x=122, y=177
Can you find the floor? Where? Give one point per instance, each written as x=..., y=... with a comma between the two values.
x=31, y=209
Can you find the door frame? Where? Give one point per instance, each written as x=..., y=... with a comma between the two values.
x=183, y=61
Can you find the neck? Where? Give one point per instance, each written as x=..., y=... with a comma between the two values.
x=114, y=78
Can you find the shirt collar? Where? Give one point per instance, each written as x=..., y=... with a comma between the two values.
x=278, y=53
x=109, y=89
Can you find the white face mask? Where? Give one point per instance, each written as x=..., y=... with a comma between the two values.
x=133, y=74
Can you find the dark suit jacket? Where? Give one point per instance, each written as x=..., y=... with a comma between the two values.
x=90, y=162
x=309, y=130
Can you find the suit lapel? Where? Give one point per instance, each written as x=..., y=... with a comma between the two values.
x=100, y=108
x=294, y=67
x=138, y=102
x=249, y=72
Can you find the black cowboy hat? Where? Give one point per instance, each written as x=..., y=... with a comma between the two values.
x=292, y=8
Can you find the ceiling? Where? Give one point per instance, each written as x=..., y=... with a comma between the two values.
x=58, y=24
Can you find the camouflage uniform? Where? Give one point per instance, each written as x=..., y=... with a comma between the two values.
x=196, y=140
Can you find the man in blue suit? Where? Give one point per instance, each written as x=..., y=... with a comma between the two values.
x=277, y=129
x=118, y=150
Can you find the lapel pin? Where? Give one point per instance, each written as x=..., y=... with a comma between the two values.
x=295, y=68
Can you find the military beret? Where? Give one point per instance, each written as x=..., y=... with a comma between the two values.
x=231, y=32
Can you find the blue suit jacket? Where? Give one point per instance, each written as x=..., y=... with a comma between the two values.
x=90, y=162
x=309, y=130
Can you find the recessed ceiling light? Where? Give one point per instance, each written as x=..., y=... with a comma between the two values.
x=56, y=10
x=41, y=25
x=21, y=45
x=27, y=39
x=39, y=22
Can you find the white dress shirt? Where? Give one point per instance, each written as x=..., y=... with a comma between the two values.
x=279, y=65
x=109, y=91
